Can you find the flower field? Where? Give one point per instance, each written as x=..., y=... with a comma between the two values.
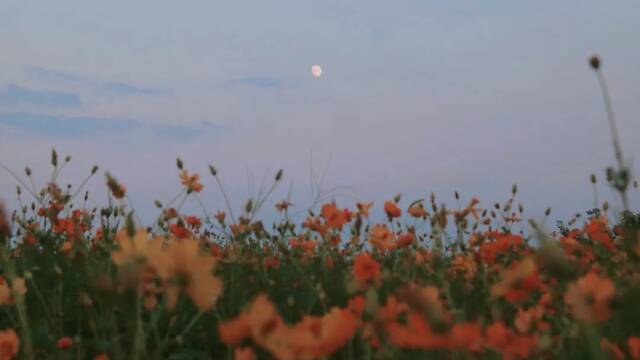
x=426, y=282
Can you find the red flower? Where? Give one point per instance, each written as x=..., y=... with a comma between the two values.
x=193, y=221
x=64, y=343
x=271, y=262
x=179, y=231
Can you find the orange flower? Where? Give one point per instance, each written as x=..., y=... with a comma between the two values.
x=191, y=182
x=422, y=256
x=102, y=356
x=416, y=334
x=405, y=240
x=9, y=344
x=266, y=328
x=503, y=243
x=634, y=347
x=418, y=211
x=391, y=310
x=363, y=208
x=333, y=217
x=7, y=291
x=308, y=246
x=193, y=221
x=356, y=305
x=179, y=231
x=314, y=337
x=311, y=338
x=382, y=238
x=365, y=268
x=502, y=339
x=466, y=336
x=64, y=343
x=234, y=331
x=133, y=249
x=182, y=268
x=244, y=353
x=612, y=348
x=283, y=205
x=598, y=231
x=516, y=283
x=465, y=265
x=220, y=216
x=315, y=224
x=392, y=210
x=271, y=262
x=589, y=297
x=527, y=320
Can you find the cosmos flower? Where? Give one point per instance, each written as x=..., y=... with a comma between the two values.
x=191, y=182
x=183, y=268
x=392, y=210
x=502, y=339
x=517, y=282
x=8, y=290
x=9, y=344
x=363, y=208
x=365, y=268
x=589, y=297
x=382, y=238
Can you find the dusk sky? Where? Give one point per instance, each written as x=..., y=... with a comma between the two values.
x=415, y=96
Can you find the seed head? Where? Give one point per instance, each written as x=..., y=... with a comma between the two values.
x=5, y=229
x=594, y=62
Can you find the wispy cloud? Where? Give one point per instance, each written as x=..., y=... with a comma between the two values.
x=263, y=82
x=114, y=87
x=16, y=95
x=126, y=89
x=78, y=127
x=53, y=75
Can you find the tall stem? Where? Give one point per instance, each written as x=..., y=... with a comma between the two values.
x=614, y=134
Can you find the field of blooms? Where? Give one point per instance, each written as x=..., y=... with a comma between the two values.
x=428, y=282
x=478, y=281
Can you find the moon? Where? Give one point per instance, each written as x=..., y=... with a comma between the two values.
x=316, y=71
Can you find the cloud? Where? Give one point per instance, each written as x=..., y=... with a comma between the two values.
x=128, y=89
x=13, y=95
x=78, y=127
x=114, y=87
x=54, y=75
x=262, y=82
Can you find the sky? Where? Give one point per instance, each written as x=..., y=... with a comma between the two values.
x=415, y=97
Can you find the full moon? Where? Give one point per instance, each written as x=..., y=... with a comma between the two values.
x=316, y=71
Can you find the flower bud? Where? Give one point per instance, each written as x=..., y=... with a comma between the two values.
x=594, y=61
